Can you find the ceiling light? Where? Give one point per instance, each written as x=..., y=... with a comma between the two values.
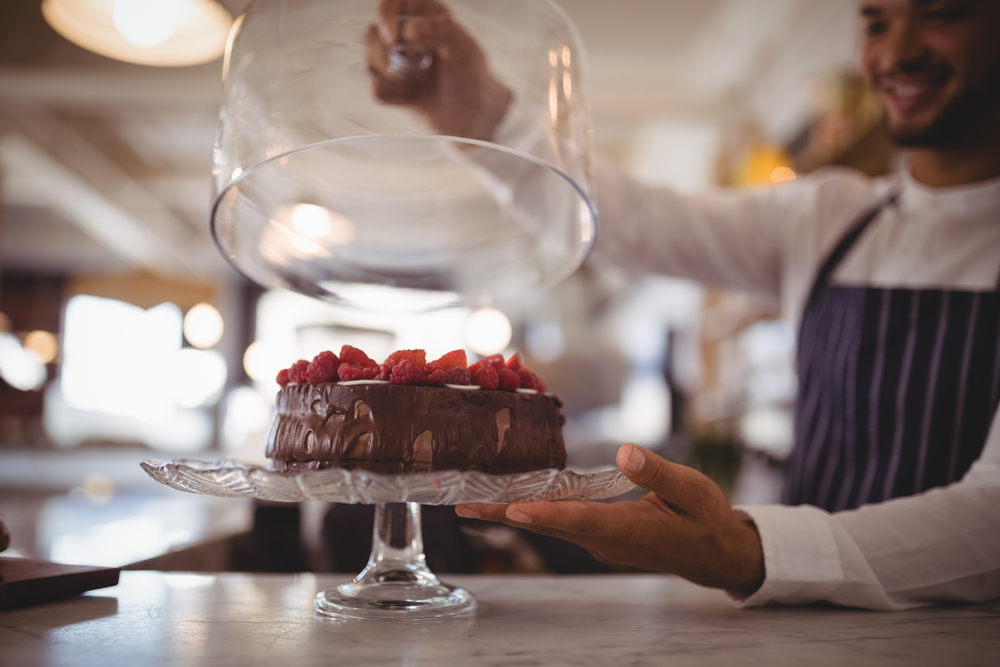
x=165, y=33
x=146, y=23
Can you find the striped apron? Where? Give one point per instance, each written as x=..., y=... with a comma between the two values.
x=897, y=387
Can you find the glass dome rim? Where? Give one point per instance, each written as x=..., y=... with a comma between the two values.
x=555, y=279
x=244, y=172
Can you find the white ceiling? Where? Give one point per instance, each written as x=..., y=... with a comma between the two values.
x=134, y=143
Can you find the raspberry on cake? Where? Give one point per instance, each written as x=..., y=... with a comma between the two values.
x=439, y=415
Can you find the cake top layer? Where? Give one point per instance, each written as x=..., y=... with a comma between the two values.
x=392, y=427
x=410, y=367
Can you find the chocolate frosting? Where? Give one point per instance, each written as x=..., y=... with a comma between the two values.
x=398, y=428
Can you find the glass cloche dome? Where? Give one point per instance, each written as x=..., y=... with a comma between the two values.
x=404, y=154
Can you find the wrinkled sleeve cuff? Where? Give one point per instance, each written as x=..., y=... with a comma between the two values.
x=801, y=560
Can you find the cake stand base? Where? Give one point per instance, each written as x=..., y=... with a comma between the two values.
x=396, y=584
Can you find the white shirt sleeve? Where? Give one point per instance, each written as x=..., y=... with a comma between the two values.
x=767, y=241
x=940, y=545
x=762, y=240
x=724, y=238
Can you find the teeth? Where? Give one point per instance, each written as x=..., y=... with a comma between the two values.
x=906, y=89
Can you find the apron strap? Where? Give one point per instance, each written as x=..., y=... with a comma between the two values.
x=845, y=244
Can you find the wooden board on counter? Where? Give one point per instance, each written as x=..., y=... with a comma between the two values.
x=26, y=582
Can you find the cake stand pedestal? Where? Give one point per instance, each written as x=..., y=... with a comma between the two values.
x=396, y=583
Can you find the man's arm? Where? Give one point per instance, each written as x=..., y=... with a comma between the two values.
x=731, y=239
x=767, y=241
x=724, y=238
x=764, y=240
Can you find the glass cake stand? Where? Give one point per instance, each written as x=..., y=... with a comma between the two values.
x=396, y=584
x=332, y=178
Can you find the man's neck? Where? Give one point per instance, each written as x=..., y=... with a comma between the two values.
x=973, y=157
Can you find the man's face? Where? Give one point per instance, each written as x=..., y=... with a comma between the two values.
x=934, y=64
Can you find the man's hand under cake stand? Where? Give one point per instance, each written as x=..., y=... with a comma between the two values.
x=685, y=526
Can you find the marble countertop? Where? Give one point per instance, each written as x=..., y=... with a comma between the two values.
x=154, y=618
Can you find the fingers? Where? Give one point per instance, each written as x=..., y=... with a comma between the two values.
x=442, y=36
x=484, y=511
x=422, y=23
x=612, y=520
x=386, y=87
x=427, y=31
x=683, y=488
x=387, y=21
x=497, y=514
x=375, y=53
x=606, y=520
x=390, y=13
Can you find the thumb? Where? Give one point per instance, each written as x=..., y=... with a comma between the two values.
x=684, y=488
x=444, y=37
x=430, y=32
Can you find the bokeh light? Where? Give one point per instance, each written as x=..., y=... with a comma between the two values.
x=203, y=326
x=782, y=174
x=488, y=331
x=98, y=488
x=197, y=377
x=262, y=361
x=20, y=368
x=311, y=220
x=545, y=341
x=43, y=344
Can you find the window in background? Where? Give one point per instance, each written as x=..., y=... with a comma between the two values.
x=125, y=377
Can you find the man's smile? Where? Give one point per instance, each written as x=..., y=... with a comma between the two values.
x=908, y=93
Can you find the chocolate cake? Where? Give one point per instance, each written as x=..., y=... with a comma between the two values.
x=399, y=428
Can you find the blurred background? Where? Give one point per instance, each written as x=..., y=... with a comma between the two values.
x=125, y=336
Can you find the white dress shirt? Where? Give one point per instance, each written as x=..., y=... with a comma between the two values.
x=940, y=545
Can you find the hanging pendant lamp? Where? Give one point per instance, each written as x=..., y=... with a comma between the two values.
x=164, y=33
